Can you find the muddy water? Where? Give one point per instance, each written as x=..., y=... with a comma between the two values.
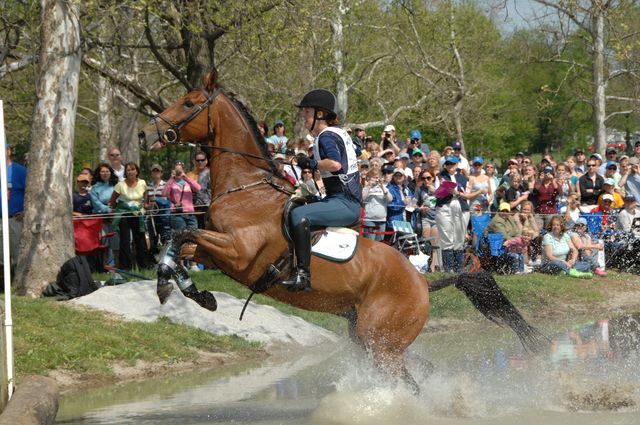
x=589, y=374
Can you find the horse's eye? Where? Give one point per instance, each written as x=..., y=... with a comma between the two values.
x=188, y=103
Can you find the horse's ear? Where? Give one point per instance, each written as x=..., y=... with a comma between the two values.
x=210, y=81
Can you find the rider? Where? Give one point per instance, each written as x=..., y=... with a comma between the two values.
x=334, y=156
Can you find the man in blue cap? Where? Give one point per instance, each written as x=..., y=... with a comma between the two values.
x=611, y=155
x=278, y=139
x=415, y=142
x=463, y=164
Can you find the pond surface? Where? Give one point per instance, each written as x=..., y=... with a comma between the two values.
x=589, y=374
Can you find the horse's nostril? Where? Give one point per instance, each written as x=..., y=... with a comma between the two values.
x=141, y=136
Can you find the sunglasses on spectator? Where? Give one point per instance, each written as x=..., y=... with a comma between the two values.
x=428, y=178
x=306, y=171
x=201, y=160
x=114, y=154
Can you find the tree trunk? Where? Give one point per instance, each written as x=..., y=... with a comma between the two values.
x=128, y=138
x=338, y=61
x=599, y=83
x=47, y=236
x=105, y=108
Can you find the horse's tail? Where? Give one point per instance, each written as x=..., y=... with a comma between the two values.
x=485, y=294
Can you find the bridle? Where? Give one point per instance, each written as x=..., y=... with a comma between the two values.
x=171, y=135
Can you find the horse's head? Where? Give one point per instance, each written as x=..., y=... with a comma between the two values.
x=186, y=120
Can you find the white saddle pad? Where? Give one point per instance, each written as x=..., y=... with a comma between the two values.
x=337, y=244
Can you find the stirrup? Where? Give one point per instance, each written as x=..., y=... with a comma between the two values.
x=300, y=283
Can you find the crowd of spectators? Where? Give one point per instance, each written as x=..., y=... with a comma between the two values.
x=538, y=207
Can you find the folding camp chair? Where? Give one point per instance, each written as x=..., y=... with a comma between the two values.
x=405, y=238
x=88, y=236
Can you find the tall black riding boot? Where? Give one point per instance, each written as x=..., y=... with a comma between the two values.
x=302, y=246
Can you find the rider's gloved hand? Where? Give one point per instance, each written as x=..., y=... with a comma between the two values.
x=305, y=162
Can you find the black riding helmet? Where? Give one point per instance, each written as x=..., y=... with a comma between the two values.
x=320, y=100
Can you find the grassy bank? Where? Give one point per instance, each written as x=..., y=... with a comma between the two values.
x=51, y=335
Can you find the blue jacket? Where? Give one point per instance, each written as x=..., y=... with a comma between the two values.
x=100, y=195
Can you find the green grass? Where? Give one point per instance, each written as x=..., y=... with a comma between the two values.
x=51, y=335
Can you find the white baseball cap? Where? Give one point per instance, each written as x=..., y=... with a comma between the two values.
x=389, y=127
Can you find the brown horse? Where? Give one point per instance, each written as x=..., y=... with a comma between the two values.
x=385, y=299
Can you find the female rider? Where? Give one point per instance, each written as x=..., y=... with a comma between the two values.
x=335, y=157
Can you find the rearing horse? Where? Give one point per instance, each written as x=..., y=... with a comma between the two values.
x=384, y=297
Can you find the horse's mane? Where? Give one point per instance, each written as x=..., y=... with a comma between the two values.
x=253, y=126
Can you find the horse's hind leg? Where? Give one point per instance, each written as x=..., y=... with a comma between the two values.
x=387, y=327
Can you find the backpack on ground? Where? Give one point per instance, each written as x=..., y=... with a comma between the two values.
x=73, y=280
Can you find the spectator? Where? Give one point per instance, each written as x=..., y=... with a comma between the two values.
x=611, y=156
x=560, y=256
x=363, y=167
x=518, y=247
x=375, y=197
x=376, y=162
x=623, y=166
x=572, y=211
x=159, y=221
x=597, y=158
x=581, y=161
x=415, y=180
x=415, y=142
x=590, y=184
x=608, y=213
x=463, y=165
x=115, y=160
x=127, y=199
x=505, y=223
x=359, y=138
x=630, y=181
x=546, y=190
x=202, y=175
x=278, y=139
x=526, y=220
x=17, y=183
x=104, y=181
x=452, y=215
x=433, y=164
x=491, y=172
x=180, y=190
x=404, y=165
x=516, y=193
x=611, y=172
x=512, y=168
x=587, y=248
x=447, y=151
x=529, y=178
x=81, y=199
x=629, y=217
x=280, y=160
x=390, y=141
x=479, y=183
x=374, y=150
x=400, y=198
x=575, y=173
x=425, y=201
x=89, y=173
x=311, y=186
x=607, y=188
x=417, y=158
x=565, y=187
x=636, y=151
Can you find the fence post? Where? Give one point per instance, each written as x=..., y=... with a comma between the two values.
x=4, y=379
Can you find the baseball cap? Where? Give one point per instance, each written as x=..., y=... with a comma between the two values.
x=456, y=144
x=398, y=171
x=477, y=160
x=451, y=159
x=612, y=164
x=634, y=160
x=415, y=134
x=504, y=206
x=577, y=151
x=156, y=167
x=278, y=122
x=637, y=143
x=417, y=151
x=358, y=129
x=611, y=149
x=623, y=157
x=547, y=170
x=387, y=168
x=610, y=182
x=83, y=178
x=404, y=155
x=280, y=156
x=513, y=161
x=629, y=198
x=520, y=154
x=389, y=127
x=596, y=155
x=364, y=163
x=607, y=197
x=581, y=220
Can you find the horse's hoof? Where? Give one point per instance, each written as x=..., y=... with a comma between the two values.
x=205, y=299
x=163, y=291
